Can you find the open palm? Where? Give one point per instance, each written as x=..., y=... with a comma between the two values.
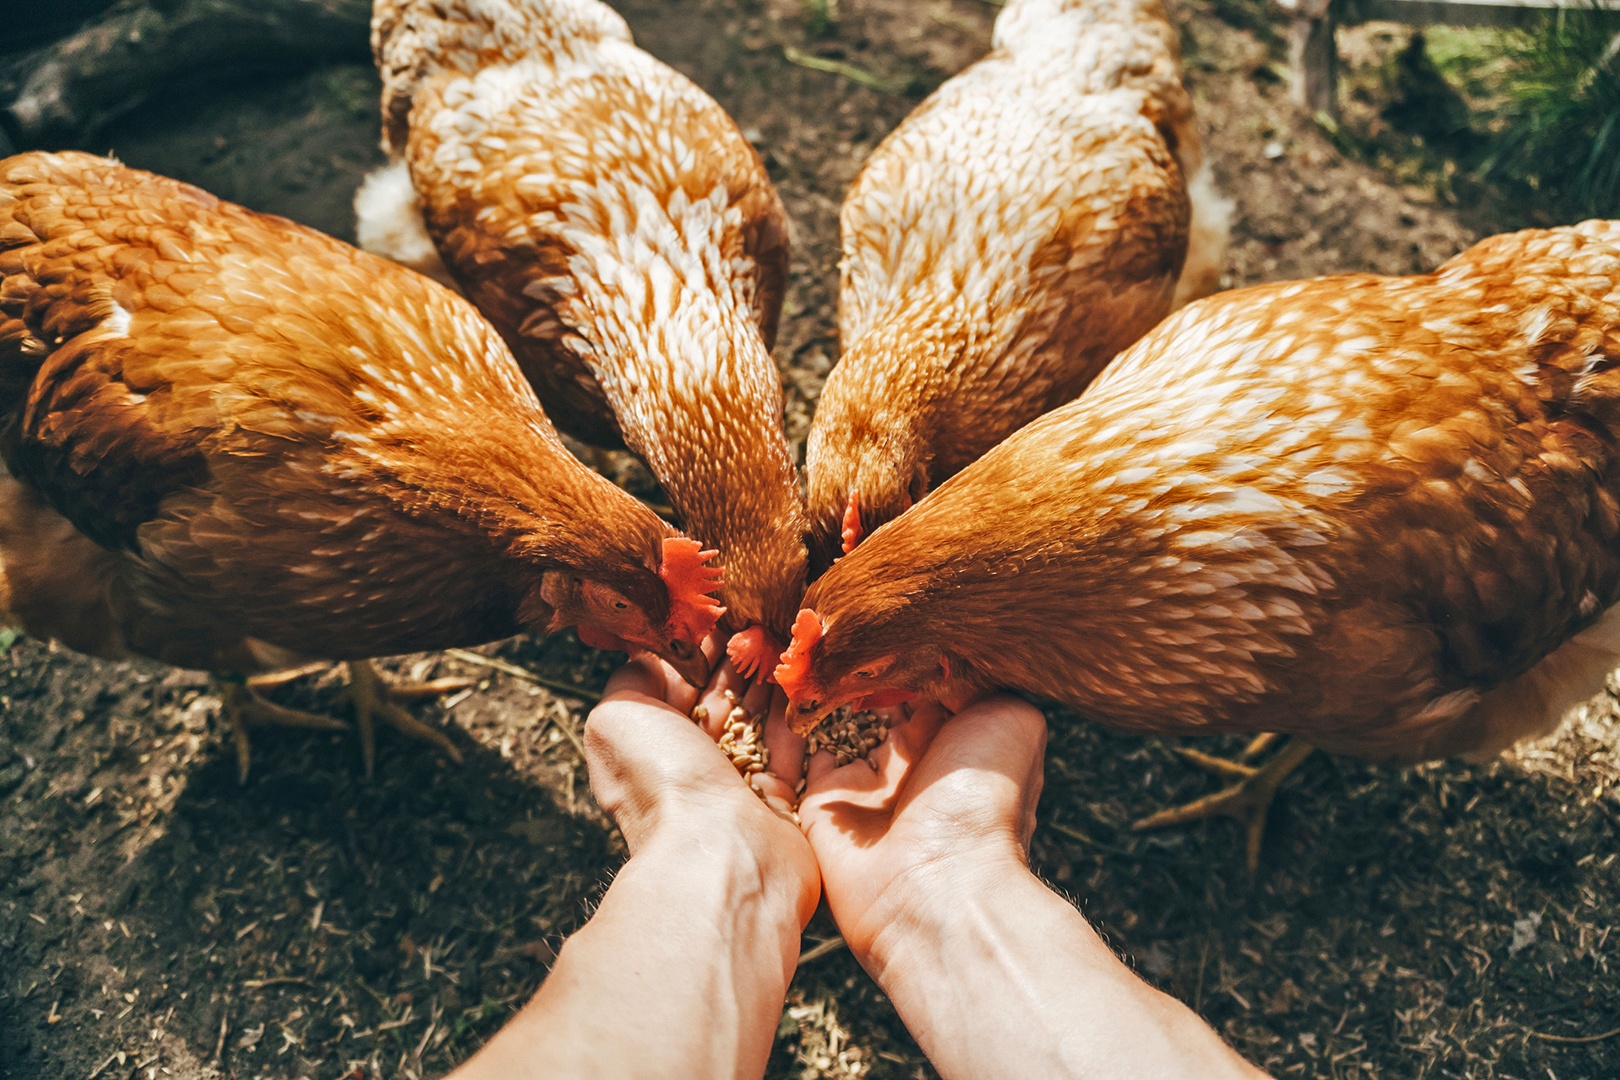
x=942, y=797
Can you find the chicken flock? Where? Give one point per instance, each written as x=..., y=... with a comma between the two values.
x=1379, y=515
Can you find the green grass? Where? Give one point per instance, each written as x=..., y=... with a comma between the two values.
x=1532, y=115
x=820, y=16
x=1559, y=130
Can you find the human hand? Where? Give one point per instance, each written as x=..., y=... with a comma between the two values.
x=779, y=781
x=944, y=805
x=712, y=902
x=924, y=861
x=665, y=782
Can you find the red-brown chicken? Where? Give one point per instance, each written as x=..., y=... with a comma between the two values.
x=1381, y=514
x=233, y=442
x=622, y=235
x=1038, y=213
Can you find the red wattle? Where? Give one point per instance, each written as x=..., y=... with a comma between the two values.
x=852, y=532
x=601, y=639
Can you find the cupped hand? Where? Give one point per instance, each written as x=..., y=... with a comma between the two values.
x=779, y=782
x=663, y=780
x=945, y=803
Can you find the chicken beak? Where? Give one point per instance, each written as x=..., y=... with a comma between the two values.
x=805, y=715
x=689, y=662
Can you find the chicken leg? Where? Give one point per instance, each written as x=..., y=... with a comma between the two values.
x=1248, y=800
x=368, y=694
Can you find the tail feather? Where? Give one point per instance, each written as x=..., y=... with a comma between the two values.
x=388, y=222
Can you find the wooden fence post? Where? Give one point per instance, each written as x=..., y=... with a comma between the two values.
x=1313, y=56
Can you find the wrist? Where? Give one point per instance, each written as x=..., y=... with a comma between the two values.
x=919, y=906
x=687, y=958
x=1008, y=980
x=746, y=869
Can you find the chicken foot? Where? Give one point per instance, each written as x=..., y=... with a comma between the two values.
x=368, y=694
x=1248, y=800
x=242, y=707
x=372, y=698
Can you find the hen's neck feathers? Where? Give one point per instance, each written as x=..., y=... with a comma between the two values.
x=972, y=305
x=872, y=437
x=514, y=488
x=651, y=302
x=684, y=367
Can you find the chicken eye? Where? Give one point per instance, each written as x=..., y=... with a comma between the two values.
x=620, y=605
x=865, y=674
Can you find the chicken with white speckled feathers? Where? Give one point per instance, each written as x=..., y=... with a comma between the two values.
x=233, y=443
x=1037, y=214
x=1379, y=514
x=619, y=231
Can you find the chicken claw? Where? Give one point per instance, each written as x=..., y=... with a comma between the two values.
x=1248, y=800
x=754, y=653
x=242, y=707
x=370, y=696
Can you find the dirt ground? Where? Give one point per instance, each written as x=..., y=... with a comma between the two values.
x=156, y=919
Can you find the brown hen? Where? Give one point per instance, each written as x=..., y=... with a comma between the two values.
x=233, y=442
x=622, y=235
x=1029, y=220
x=1381, y=514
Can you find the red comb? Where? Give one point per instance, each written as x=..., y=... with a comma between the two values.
x=754, y=652
x=795, y=665
x=690, y=580
x=852, y=522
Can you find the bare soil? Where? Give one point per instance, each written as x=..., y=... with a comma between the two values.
x=157, y=919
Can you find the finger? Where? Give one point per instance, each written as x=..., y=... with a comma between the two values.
x=681, y=694
x=644, y=674
x=757, y=696
x=1033, y=787
x=726, y=679
x=918, y=731
x=1001, y=733
x=777, y=793
x=786, y=748
x=713, y=645
x=820, y=764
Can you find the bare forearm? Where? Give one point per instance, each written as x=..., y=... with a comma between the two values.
x=1010, y=981
x=686, y=960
